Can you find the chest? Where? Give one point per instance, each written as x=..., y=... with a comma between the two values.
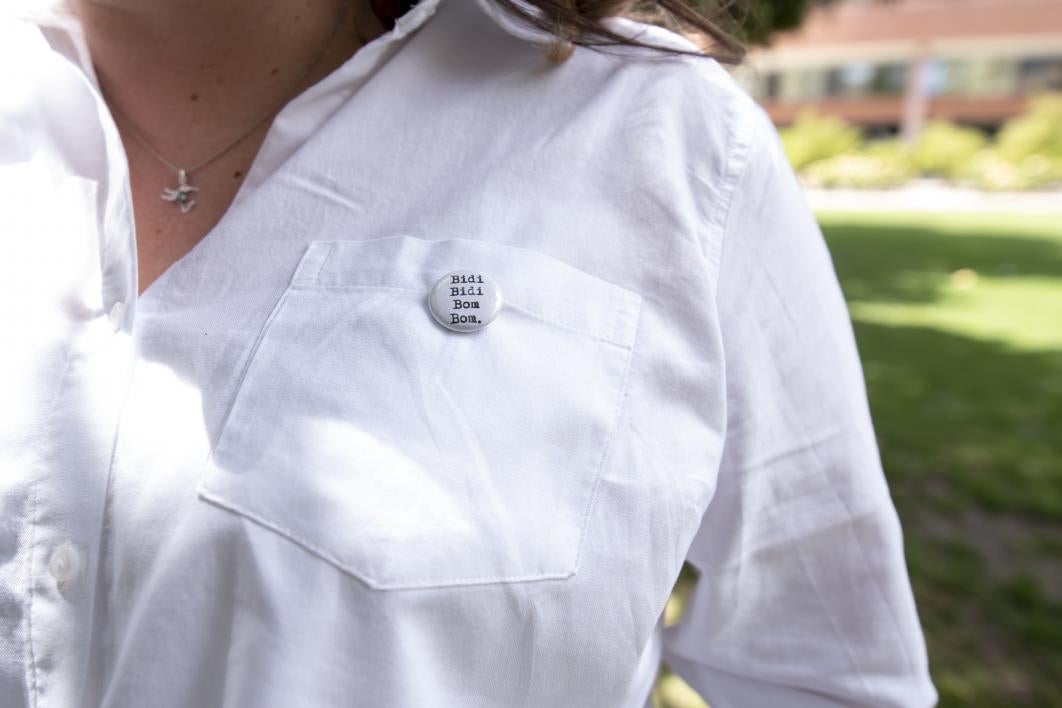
x=298, y=407
x=300, y=426
x=508, y=487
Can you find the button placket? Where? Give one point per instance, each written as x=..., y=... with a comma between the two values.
x=116, y=316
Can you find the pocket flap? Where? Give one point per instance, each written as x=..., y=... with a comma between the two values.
x=533, y=282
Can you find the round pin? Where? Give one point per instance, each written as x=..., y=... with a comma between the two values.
x=465, y=300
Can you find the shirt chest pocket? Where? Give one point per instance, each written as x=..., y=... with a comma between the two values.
x=411, y=455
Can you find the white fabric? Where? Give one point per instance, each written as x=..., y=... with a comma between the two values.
x=276, y=481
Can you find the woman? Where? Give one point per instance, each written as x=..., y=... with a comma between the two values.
x=400, y=357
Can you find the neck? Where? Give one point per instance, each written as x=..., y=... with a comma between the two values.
x=213, y=65
x=194, y=75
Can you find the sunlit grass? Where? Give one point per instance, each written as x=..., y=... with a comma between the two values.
x=1010, y=310
x=994, y=278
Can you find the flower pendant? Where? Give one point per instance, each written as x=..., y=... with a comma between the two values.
x=181, y=195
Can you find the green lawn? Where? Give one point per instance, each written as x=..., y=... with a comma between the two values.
x=959, y=324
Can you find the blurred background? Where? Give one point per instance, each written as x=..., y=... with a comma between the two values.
x=928, y=135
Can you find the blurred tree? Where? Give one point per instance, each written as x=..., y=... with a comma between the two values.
x=757, y=20
x=752, y=21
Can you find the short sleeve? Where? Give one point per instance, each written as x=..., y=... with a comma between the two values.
x=803, y=598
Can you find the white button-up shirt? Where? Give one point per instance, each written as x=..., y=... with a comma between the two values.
x=275, y=480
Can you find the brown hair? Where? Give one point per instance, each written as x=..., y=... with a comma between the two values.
x=579, y=22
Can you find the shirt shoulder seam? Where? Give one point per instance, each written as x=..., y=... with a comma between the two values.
x=737, y=164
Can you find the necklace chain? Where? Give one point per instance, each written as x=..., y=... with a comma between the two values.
x=182, y=193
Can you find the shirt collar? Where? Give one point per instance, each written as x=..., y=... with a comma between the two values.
x=43, y=13
x=57, y=14
x=511, y=24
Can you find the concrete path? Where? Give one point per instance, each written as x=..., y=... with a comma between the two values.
x=930, y=195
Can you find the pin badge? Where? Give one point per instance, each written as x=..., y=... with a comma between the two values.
x=465, y=300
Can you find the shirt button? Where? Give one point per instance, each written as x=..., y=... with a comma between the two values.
x=65, y=562
x=116, y=315
x=465, y=300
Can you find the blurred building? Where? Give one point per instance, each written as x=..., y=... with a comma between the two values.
x=889, y=65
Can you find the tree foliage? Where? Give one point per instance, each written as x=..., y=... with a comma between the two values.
x=758, y=20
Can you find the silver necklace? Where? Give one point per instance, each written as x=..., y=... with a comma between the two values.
x=183, y=195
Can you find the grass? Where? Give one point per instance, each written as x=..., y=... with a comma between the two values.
x=959, y=325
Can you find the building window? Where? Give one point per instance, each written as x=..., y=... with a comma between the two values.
x=1037, y=74
x=861, y=79
x=994, y=76
x=772, y=86
x=981, y=76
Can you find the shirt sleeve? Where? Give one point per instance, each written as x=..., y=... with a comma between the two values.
x=803, y=598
